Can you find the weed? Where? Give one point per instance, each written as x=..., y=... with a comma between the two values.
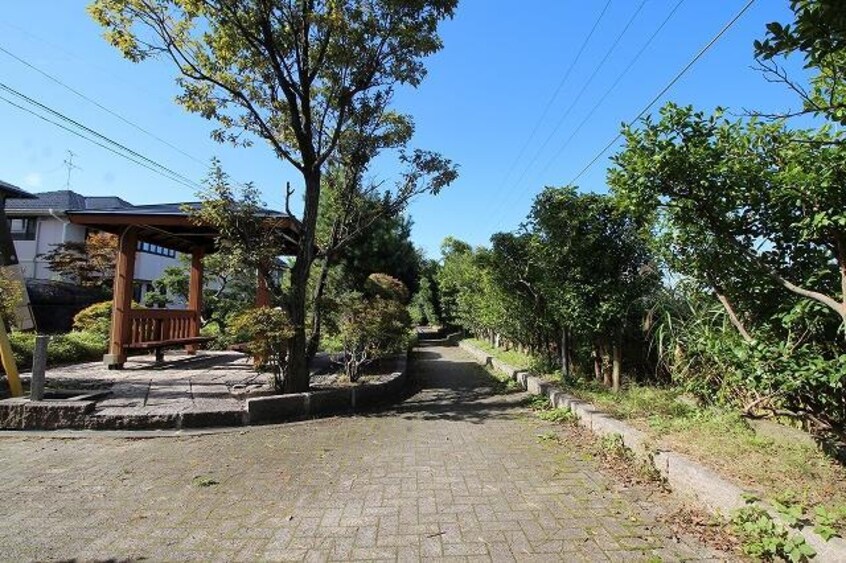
x=827, y=521
x=763, y=538
x=613, y=446
x=561, y=416
x=539, y=403
x=204, y=481
x=510, y=357
x=548, y=438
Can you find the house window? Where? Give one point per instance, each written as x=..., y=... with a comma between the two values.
x=22, y=228
x=156, y=249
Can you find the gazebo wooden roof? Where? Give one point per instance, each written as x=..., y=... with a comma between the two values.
x=171, y=226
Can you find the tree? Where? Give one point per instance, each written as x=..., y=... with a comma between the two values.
x=818, y=33
x=373, y=323
x=298, y=75
x=594, y=273
x=362, y=227
x=90, y=263
x=754, y=215
x=742, y=206
x=228, y=289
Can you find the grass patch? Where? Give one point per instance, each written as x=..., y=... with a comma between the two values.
x=545, y=411
x=781, y=468
x=511, y=357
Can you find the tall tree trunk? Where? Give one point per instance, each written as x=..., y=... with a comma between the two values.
x=617, y=361
x=606, y=364
x=735, y=320
x=565, y=354
x=317, y=312
x=597, y=360
x=297, y=372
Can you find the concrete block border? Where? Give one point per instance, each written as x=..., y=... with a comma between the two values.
x=687, y=477
x=280, y=408
x=23, y=414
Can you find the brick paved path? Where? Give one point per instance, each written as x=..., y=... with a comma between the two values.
x=456, y=470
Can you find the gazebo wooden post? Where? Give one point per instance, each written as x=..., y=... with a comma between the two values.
x=122, y=299
x=262, y=293
x=195, y=294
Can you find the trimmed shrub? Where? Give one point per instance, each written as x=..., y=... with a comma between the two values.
x=268, y=331
x=96, y=319
x=71, y=348
x=386, y=287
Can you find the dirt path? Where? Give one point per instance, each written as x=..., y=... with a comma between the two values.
x=455, y=470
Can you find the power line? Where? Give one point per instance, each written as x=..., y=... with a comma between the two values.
x=90, y=140
x=120, y=147
x=576, y=100
x=99, y=105
x=612, y=87
x=666, y=88
x=557, y=91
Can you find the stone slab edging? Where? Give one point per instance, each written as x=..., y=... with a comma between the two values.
x=686, y=476
x=279, y=408
x=23, y=414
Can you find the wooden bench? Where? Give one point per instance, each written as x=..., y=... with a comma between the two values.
x=157, y=329
x=159, y=345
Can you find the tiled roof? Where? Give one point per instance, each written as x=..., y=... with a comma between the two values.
x=164, y=209
x=105, y=202
x=59, y=201
x=67, y=201
x=13, y=192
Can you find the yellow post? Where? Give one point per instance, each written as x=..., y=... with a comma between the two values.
x=8, y=360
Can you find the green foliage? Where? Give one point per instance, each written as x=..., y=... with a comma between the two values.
x=96, y=319
x=818, y=33
x=172, y=284
x=751, y=214
x=827, y=522
x=511, y=357
x=424, y=306
x=765, y=539
x=386, y=287
x=71, y=348
x=10, y=296
x=204, y=481
x=267, y=331
x=371, y=327
x=545, y=411
x=321, y=99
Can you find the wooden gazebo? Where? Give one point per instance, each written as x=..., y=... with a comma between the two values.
x=169, y=226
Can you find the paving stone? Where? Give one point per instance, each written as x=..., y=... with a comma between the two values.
x=453, y=473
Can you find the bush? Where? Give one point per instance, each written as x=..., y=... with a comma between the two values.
x=10, y=295
x=386, y=287
x=268, y=331
x=371, y=328
x=96, y=319
x=71, y=348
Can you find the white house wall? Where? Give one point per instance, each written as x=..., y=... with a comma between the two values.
x=48, y=233
x=51, y=231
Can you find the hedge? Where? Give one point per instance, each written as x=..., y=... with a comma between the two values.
x=70, y=348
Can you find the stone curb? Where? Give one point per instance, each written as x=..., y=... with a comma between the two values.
x=687, y=477
x=23, y=414
x=280, y=408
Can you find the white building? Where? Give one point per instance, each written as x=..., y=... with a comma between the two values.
x=37, y=225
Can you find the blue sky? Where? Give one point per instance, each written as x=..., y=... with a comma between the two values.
x=483, y=97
